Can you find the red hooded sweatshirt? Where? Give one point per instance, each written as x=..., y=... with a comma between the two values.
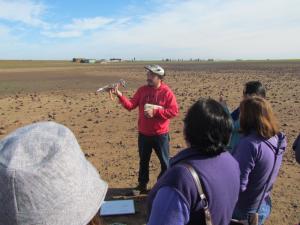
x=162, y=96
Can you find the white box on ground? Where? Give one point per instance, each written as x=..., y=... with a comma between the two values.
x=117, y=207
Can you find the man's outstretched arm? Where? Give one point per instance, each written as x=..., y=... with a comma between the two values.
x=128, y=104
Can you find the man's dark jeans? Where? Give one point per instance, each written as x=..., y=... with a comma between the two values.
x=160, y=144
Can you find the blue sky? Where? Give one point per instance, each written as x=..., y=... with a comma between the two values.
x=151, y=29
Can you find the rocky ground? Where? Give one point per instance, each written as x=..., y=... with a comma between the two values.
x=107, y=133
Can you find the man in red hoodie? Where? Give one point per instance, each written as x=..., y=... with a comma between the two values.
x=157, y=105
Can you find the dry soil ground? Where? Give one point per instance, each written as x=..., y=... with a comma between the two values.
x=65, y=92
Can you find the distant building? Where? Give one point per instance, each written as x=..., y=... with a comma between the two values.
x=115, y=60
x=83, y=60
x=90, y=61
x=77, y=60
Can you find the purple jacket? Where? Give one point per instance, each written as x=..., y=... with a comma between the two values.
x=220, y=176
x=256, y=160
x=169, y=208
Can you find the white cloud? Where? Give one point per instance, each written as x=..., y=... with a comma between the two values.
x=221, y=29
x=4, y=31
x=78, y=27
x=25, y=11
x=88, y=23
x=183, y=29
x=62, y=34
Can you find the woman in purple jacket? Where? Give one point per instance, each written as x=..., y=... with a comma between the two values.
x=256, y=152
x=174, y=200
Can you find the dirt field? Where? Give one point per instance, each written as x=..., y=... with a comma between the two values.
x=65, y=93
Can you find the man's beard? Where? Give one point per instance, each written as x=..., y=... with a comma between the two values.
x=150, y=83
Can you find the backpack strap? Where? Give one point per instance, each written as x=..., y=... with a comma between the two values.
x=201, y=194
x=270, y=176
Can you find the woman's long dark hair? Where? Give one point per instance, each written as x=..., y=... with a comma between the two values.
x=208, y=127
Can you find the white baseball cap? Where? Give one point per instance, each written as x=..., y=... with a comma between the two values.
x=156, y=69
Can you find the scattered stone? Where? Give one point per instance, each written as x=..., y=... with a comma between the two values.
x=294, y=205
x=51, y=116
x=88, y=155
x=178, y=146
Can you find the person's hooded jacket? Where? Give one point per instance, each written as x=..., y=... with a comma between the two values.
x=256, y=156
